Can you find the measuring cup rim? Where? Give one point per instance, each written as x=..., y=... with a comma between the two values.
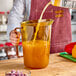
x=36, y=21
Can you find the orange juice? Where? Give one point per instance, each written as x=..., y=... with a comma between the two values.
x=36, y=55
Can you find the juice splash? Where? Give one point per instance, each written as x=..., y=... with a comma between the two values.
x=57, y=2
x=36, y=55
x=40, y=19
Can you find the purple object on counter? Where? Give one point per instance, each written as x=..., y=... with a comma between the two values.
x=61, y=28
x=15, y=73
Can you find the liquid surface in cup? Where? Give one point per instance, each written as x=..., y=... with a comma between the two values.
x=36, y=55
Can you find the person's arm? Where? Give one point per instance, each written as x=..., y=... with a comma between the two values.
x=16, y=16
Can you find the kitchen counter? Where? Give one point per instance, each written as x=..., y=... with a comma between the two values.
x=58, y=66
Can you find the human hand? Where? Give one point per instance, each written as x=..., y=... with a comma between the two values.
x=15, y=37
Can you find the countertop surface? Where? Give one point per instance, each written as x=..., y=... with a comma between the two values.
x=58, y=66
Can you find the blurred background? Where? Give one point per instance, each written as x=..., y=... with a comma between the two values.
x=5, y=7
x=7, y=50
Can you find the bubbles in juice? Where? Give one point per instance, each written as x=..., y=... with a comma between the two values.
x=36, y=55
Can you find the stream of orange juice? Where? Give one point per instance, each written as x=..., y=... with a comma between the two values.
x=40, y=19
x=36, y=55
x=57, y=2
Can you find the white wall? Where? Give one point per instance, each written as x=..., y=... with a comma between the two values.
x=6, y=5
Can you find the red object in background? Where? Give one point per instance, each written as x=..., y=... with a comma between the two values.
x=8, y=44
x=2, y=12
x=1, y=45
x=8, y=12
x=69, y=47
x=20, y=43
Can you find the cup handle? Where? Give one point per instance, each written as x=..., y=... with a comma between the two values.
x=17, y=51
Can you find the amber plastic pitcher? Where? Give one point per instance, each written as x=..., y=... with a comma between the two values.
x=36, y=52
